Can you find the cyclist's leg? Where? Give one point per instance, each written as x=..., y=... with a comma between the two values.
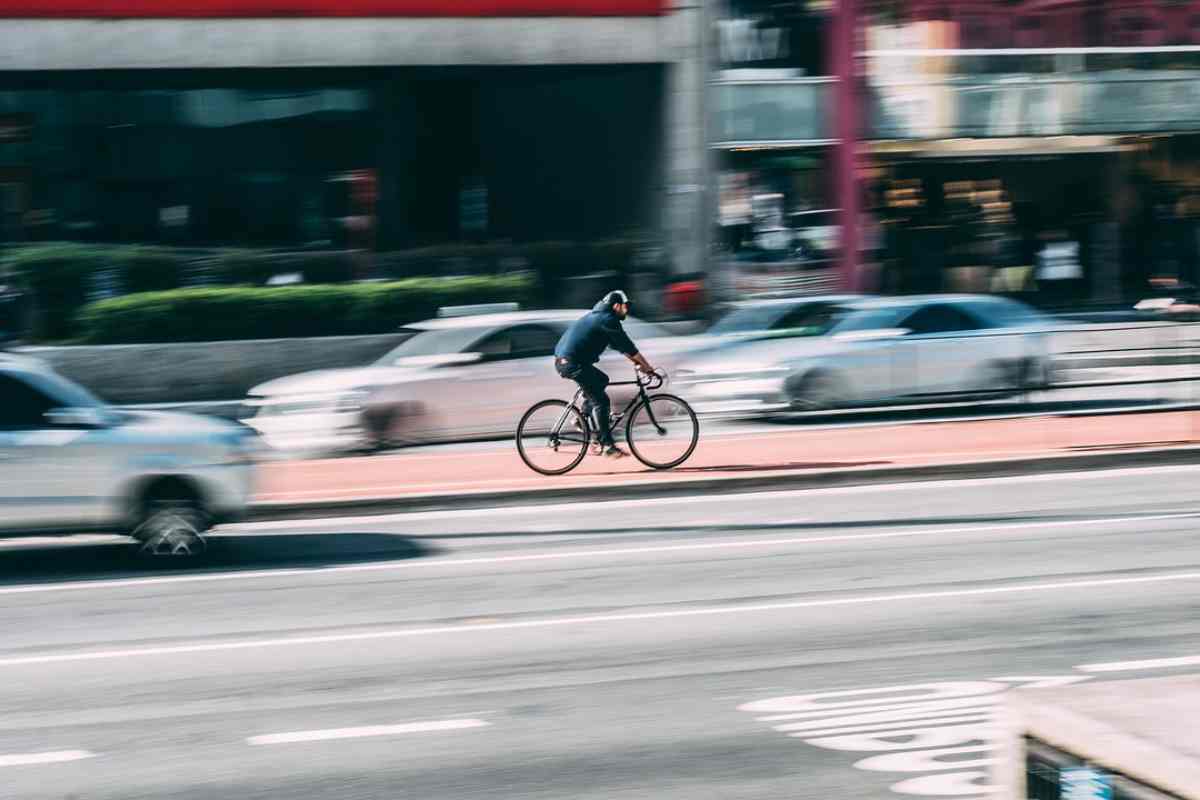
x=593, y=382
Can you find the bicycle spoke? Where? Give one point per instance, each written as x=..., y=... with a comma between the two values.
x=663, y=431
x=552, y=437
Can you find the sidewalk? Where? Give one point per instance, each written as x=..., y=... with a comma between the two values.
x=781, y=456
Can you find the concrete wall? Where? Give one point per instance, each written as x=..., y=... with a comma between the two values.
x=78, y=44
x=201, y=371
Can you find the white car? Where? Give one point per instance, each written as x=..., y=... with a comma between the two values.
x=875, y=351
x=458, y=378
x=70, y=463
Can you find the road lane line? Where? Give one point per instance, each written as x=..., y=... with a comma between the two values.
x=733, y=544
x=54, y=757
x=558, y=622
x=364, y=732
x=1129, y=666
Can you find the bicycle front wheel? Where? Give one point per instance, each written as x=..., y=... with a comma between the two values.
x=662, y=431
x=553, y=437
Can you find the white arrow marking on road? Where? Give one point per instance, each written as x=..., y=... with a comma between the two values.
x=1129, y=666
x=370, y=730
x=595, y=619
x=55, y=757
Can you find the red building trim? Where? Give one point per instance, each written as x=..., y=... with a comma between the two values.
x=151, y=9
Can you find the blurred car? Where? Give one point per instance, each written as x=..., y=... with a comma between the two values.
x=457, y=378
x=70, y=463
x=753, y=318
x=876, y=351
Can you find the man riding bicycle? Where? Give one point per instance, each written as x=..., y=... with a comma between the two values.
x=580, y=348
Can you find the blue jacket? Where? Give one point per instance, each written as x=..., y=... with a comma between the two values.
x=587, y=338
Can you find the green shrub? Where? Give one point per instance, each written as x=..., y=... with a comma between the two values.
x=148, y=269
x=58, y=276
x=213, y=314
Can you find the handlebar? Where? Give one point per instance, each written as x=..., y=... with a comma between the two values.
x=653, y=380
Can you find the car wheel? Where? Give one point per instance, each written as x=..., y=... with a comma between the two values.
x=817, y=391
x=171, y=522
x=997, y=379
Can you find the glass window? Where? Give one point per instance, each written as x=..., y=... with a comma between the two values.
x=433, y=343
x=22, y=406
x=534, y=340
x=939, y=319
x=499, y=343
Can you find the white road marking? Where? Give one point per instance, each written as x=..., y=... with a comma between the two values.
x=733, y=544
x=363, y=732
x=1154, y=663
x=559, y=622
x=766, y=497
x=54, y=757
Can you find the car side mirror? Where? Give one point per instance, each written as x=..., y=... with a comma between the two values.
x=87, y=418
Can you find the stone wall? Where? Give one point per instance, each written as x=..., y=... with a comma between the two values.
x=204, y=371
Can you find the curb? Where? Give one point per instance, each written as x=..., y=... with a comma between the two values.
x=799, y=480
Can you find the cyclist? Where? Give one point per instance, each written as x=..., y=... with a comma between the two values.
x=578, y=351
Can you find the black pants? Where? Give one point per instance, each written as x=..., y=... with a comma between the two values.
x=596, y=405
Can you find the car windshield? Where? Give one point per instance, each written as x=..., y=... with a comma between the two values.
x=68, y=393
x=748, y=319
x=433, y=343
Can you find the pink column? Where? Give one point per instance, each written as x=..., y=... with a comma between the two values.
x=846, y=131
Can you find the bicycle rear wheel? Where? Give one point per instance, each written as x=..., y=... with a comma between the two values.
x=662, y=431
x=553, y=437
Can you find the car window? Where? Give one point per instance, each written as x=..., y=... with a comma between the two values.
x=939, y=319
x=809, y=315
x=495, y=345
x=433, y=343
x=530, y=341
x=748, y=319
x=22, y=406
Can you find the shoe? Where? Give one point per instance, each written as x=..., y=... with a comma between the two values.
x=615, y=453
x=597, y=449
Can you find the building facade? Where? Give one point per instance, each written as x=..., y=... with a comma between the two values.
x=387, y=124
x=984, y=134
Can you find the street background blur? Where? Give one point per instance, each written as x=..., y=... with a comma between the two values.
x=279, y=278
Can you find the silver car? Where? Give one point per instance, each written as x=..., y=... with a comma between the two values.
x=875, y=351
x=70, y=463
x=454, y=379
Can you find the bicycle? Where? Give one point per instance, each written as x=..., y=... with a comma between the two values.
x=660, y=429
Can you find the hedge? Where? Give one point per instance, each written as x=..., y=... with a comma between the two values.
x=64, y=276
x=229, y=313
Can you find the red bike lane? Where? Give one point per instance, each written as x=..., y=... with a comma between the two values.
x=789, y=450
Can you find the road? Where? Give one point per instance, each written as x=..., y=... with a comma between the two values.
x=657, y=648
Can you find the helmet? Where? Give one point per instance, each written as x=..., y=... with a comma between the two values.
x=615, y=297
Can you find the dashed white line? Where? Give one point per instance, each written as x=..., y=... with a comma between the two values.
x=1154, y=663
x=558, y=622
x=735, y=544
x=54, y=757
x=328, y=734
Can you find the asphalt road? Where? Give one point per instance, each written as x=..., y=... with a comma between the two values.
x=662, y=648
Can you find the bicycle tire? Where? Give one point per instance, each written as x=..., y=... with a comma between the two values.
x=640, y=409
x=583, y=432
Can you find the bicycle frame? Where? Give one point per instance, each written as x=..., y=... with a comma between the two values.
x=640, y=397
